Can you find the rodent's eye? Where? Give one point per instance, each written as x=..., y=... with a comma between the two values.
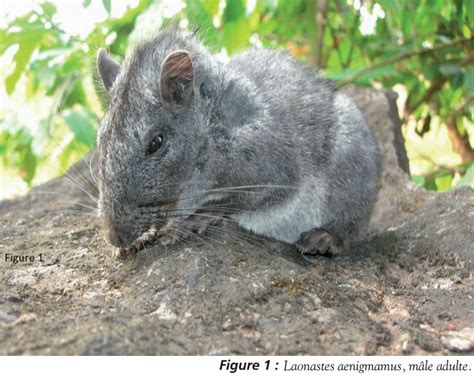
x=155, y=144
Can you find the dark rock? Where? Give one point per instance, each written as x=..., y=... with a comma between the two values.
x=389, y=294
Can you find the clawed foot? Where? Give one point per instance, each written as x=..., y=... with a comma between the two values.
x=319, y=242
x=145, y=239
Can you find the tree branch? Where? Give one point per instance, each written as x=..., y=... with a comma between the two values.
x=321, y=11
x=336, y=46
x=409, y=109
x=433, y=89
x=406, y=55
x=460, y=143
x=354, y=28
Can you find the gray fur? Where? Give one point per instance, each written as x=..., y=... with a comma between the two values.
x=262, y=121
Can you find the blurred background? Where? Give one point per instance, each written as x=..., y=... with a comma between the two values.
x=51, y=100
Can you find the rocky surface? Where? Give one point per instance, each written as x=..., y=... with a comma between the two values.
x=406, y=289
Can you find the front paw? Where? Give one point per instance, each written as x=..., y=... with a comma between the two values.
x=319, y=242
x=124, y=252
x=140, y=243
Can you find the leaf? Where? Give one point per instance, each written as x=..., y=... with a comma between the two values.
x=430, y=185
x=31, y=86
x=344, y=48
x=443, y=183
x=20, y=25
x=418, y=179
x=449, y=69
x=344, y=74
x=46, y=76
x=28, y=42
x=378, y=73
x=80, y=123
x=470, y=11
x=467, y=179
x=86, y=3
x=211, y=6
x=267, y=5
x=454, y=99
x=199, y=16
x=233, y=11
x=107, y=5
x=466, y=31
x=469, y=81
x=456, y=81
x=406, y=21
x=76, y=95
x=429, y=69
x=49, y=9
x=18, y=153
x=73, y=62
x=28, y=164
x=66, y=158
x=236, y=35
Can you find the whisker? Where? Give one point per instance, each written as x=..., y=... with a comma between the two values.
x=92, y=170
x=67, y=211
x=254, y=186
x=187, y=232
x=232, y=190
x=212, y=217
x=77, y=203
x=92, y=197
x=87, y=163
x=64, y=201
x=34, y=191
x=57, y=106
x=237, y=235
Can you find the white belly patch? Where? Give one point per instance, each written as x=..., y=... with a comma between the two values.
x=302, y=212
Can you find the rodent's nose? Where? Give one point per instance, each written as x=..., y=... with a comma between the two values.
x=116, y=236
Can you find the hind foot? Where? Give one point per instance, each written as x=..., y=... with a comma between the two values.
x=319, y=242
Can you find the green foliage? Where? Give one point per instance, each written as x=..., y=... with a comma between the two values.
x=107, y=5
x=468, y=177
x=81, y=123
x=16, y=149
x=58, y=66
x=200, y=15
x=444, y=178
x=425, y=45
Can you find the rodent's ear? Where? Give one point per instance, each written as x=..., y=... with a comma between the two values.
x=177, y=79
x=108, y=69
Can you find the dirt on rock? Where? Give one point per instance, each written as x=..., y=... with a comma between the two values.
x=406, y=289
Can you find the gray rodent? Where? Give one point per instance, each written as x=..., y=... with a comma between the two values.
x=262, y=140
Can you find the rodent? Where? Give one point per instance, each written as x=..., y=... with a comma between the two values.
x=262, y=140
